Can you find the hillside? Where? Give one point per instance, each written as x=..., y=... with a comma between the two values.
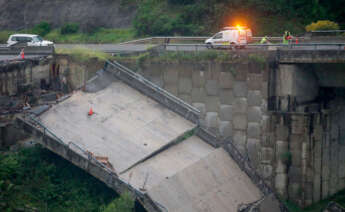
x=189, y=17
x=172, y=17
x=18, y=14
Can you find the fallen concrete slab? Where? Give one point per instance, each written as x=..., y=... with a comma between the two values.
x=137, y=136
x=214, y=183
x=126, y=126
x=167, y=163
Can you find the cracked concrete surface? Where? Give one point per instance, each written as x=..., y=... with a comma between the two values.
x=137, y=134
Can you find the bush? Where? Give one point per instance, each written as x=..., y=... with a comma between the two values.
x=152, y=20
x=42, y=28
x=322, y=25
x=123, y=204
x=4, y=36
x=83, y=54
x=69, y=28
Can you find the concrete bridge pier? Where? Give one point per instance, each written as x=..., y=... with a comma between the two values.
x=307, y=105
x=293, y=86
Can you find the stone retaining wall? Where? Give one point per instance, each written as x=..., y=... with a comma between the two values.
x=232, y=98
x=269, y=113
x=21, y=73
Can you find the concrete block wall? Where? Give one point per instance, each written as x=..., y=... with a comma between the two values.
x=31, y=72
x=76, y=73
x=232, y=98
x=299, y=154
x=308, y=139
x=19, y=73
x=309, y=156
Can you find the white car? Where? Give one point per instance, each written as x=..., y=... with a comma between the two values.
x=230, y=36
x=31, y=40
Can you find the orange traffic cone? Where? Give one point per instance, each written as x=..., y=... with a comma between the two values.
x=90, y=113
x=22, y=54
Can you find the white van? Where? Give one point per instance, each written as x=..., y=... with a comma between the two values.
x=31, y=40
x=230, y=36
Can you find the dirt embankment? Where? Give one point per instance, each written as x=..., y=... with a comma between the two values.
x=19, y=14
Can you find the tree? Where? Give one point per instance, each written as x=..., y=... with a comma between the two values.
x=124, y=203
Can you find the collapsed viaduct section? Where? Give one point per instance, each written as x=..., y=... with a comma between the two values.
x=276, y=113
x=156, y=198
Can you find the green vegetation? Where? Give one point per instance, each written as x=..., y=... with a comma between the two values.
x=286, y=158
x=177, y=56
x=100, y=36
x=36, y=179
x=42, y=28
x=4, y=35
x=203, y=17
x=69, y=28
x=160, y=18
x=83, y=54
x=194, y=17
x=322, y=25
x=122, y=204
x=317, y=207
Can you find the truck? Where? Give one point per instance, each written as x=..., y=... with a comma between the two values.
x=229, y=37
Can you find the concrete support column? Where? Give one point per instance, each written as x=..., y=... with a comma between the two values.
x=294, y=85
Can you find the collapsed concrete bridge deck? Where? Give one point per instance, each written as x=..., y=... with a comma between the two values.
x=145, y=144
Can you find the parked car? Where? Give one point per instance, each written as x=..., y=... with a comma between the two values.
x=29, y=39
x=230, y=36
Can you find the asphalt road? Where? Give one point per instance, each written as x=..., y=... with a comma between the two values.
x=109, y=48
x=127, y=48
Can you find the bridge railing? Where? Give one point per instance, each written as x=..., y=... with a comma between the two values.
x=29, y=50
x=150, y=89
x=242, y=161
x=299, y=46
x=71, y=146
x=326, y=33
x=182, y=39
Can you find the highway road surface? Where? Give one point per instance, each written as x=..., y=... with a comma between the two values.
x=128, y=48
x=136, y=48
x=109, y=48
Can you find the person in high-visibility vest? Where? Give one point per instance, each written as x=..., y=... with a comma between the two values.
x=285, y=37
x=263, y=40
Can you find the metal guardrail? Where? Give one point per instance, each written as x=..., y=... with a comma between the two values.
x=191, y=111
x=241, y=161
x=244, y=164
x=325, y=31
x=301, y=46
x=171, y=39
x=90, y=158
x=28, y=50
